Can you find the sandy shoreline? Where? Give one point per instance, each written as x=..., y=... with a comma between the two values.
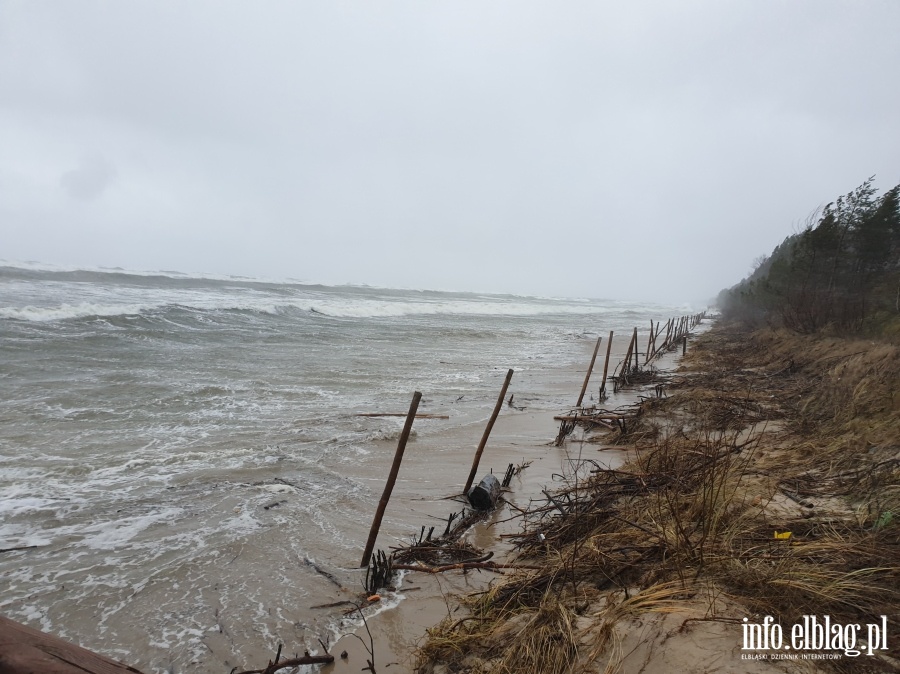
x=518, y=436
x=762, y=490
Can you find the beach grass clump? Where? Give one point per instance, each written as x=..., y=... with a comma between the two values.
x=541, y=641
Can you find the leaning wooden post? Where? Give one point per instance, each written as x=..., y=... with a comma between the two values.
x=587, y=376
x=606, y=364
x=626, y=364
x=392, y=478
x=632, y=351
x=652, y=354
x=665, y=344
x=487, y=433
x=649, y=342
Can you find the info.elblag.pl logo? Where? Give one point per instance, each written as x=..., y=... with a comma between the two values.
x=813, y=638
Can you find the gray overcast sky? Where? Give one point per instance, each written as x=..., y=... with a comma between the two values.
x=645, y=150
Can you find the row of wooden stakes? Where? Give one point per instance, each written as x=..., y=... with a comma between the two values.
x=676, y=330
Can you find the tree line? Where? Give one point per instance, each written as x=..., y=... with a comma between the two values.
x=840, y=273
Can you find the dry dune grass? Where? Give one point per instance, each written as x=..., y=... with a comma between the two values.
x=762, y=435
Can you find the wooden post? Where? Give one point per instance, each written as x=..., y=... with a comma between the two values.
x=635, y=349
x=649, y=343
x=587, y=376
x=626, y=364
x=392, y=478
x=606, y=364
x=656, y=334
x=684, y=345
x=487, y=433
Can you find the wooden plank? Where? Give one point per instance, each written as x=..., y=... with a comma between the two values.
x=24, y=650
x=400, y=414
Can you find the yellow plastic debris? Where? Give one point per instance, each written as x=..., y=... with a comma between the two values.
x=783, y=536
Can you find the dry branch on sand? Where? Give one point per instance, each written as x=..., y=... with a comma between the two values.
x=291, y=663
x=768, y=484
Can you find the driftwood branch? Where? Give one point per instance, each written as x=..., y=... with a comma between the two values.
x=480, y=563
x=292, y=662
